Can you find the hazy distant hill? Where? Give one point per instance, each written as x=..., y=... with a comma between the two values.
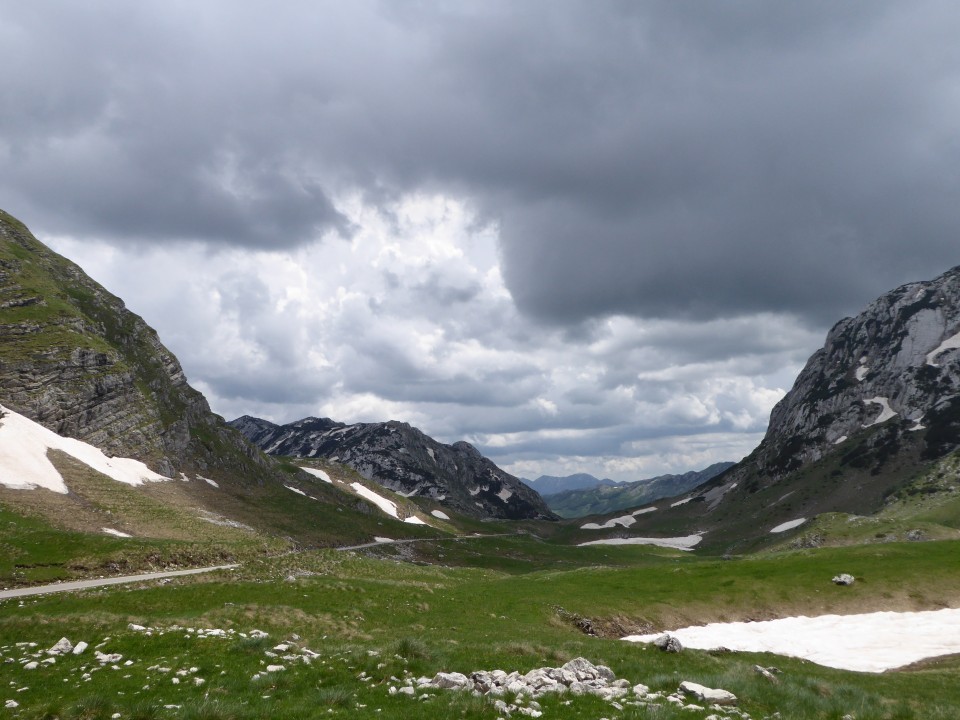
x=610, y=498
x=552, y=484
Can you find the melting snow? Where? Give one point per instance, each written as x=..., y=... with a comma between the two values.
x=318, y=474
x=115, y=533
x=885, y=414
x=789, y=525
x=298, y=492
x=862, y=372
x=840, y=439
x=624, y=521
x=505, y=494
x=24, y=464
x=872, y=642
x=681, y=502
x=207, y=480
x=440, y=514
x=414, y=520
x=952, y=343
x=383, y=539
x=679, y=543
x=388, y=506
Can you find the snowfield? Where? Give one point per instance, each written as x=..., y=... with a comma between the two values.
x=318, y=474
x=871, y=642
x=789, y=525
x=678, y=543
x=24, y=464
x=388, y=506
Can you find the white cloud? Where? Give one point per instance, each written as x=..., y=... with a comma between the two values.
x=410, y=320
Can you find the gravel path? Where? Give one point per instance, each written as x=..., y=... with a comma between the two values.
x=84, y=584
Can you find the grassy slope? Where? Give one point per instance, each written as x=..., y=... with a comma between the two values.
x=383, y=619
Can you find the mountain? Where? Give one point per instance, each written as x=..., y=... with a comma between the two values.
x=551, y=484
x=75, y=360
x=871, y=411
x=614, y=497
x=405, y=460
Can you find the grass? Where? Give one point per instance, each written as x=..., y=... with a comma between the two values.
x=373, y=621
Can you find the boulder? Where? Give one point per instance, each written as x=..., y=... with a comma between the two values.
x=844, y=579
x=708, y=695
x=63, y=647
x=451, y=681
x=668, y=643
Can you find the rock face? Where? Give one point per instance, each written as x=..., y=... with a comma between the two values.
x=75, y=360
x=897, y=364
x=872, y=407
x=405, y=460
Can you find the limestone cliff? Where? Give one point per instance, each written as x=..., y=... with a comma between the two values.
x=74, y=359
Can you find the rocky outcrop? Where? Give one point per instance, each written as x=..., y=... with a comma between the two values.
x=75, y=360
x=896, y=363
x=405, y=460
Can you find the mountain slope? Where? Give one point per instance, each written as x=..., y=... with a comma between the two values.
x=405, y=460
x=870, y=412
x=608, y=499
x=77, y=361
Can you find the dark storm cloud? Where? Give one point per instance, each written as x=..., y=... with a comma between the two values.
x=659, y=159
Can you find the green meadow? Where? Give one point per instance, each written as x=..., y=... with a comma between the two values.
x=371, y=621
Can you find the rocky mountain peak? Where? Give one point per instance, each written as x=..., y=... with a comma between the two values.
x=403, y=459
x=897, y=361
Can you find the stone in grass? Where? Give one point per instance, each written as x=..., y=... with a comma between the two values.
x=708, y=695
x=452, y=681
x=63, y=647
x=844, y=579
x=668, y=643
x=80, y=647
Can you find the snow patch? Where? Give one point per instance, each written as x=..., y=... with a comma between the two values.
x=644, y=511
x=24, y=464
x=505, y=494
x=678, y=543
x=383, y=539
x=440, y=514
x=624, y=521
x=885, y=413
x=951, y=343
x=388, y=506
x=789, y=525
x=871, y=642
x=681, y=502
x=208, y=481
x=115, y=533
x=297, y=491
x=414, y=520
x=842, y=438
x=862, y=372
x=318, y=474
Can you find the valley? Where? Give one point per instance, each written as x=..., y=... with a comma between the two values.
x=368, y=570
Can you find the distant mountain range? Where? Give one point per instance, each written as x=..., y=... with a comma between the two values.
x=404, y=459
x=551, y=484
x=608, y=496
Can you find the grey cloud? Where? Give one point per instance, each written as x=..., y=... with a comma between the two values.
x=659, y=159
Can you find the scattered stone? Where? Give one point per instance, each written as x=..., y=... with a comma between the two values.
x=708, y=695
x=766, y=673
x=11, y=704
x=275, y=668
x=33, y=665
x=63, y=647
x=844, y=579
x=668, y=643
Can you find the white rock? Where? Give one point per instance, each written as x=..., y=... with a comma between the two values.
x=407, y=690
x=80, y=647
x=451, y=681
x=31, y=665
x=844, y=579
x=136, y=628
x=709, y=695
x=275, y=668
x=11, y=704
x=63, y=647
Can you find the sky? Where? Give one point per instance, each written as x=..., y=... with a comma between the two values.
x=599, y=236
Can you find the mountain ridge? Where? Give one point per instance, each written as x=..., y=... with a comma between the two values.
x=405, y=460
